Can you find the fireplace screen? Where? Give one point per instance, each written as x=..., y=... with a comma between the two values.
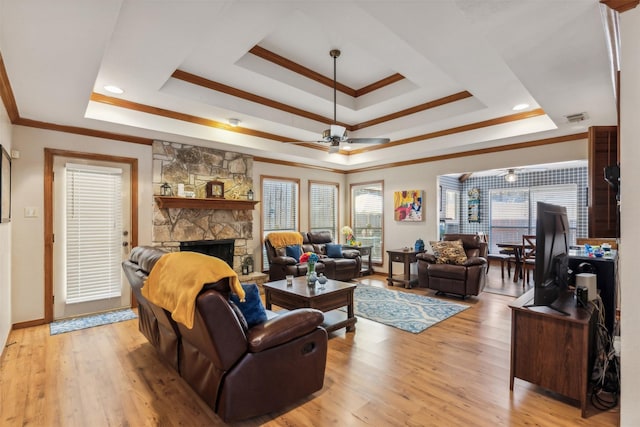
x=222, y=249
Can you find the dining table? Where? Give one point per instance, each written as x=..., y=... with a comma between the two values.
x=518, y=249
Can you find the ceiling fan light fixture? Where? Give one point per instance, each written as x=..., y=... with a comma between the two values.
x=511, y=176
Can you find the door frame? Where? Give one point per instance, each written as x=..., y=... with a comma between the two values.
x=49, y=155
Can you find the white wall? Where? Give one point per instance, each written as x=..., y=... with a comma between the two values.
x=424, y=176
x=5, y=244
x=630, y=212
x=28, y=183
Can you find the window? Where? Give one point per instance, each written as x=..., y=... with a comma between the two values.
x=323, y=208
x=93, y=233
x=451, y=209
x=513, y=211
x=280, y=202
x=366, y=216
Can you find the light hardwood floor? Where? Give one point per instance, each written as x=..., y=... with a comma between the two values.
x=455, y=373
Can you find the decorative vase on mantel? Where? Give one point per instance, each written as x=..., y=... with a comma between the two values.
x=311, y=274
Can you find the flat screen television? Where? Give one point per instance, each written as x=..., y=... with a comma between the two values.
x=552, y=248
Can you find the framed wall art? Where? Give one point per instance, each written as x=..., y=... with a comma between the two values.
x=5, y=186
x=407, y=205
x=474, y=204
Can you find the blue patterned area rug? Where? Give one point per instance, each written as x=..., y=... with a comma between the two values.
x=407, y=311
x=68, y=325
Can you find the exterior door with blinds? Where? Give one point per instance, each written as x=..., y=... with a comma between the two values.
x=91, y=220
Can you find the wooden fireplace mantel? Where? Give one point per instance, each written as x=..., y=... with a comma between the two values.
x=166, y=202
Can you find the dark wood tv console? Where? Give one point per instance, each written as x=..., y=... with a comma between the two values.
x=553, y=350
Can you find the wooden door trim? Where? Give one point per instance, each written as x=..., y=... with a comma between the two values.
x=49, y=155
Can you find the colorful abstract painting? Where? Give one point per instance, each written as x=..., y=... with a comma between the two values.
x=407, y=205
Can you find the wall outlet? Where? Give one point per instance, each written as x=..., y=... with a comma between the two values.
x=616, y=345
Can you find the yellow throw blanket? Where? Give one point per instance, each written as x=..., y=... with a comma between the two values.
x=177, y=279
x=280, y=239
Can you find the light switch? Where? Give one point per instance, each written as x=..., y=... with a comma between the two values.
x=30, y=212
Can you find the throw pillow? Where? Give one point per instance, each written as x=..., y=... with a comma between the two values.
x=334, y=250
x=449, y=252
x=252, y=308
x=294, y=251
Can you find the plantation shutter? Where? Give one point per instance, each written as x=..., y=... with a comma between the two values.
x=280, y=208
x=323, y=208
x=93, y=232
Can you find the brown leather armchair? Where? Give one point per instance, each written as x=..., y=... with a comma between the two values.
x=239, y=372
x=465, y=279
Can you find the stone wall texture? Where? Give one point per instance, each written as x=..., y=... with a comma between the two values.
x=194, y=166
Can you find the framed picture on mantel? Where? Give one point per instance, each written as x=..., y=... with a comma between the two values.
x=215, y=190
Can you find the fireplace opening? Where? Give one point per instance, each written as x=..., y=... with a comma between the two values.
x=222, y=249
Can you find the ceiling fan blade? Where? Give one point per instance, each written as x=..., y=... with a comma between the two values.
x=368, y=140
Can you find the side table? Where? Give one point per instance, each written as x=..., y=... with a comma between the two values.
x=367, y=269
x=407, y=257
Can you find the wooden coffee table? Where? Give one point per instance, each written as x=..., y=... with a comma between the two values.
x=298, y=295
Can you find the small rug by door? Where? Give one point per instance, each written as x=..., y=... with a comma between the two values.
x=68, y=325
x=407, y=311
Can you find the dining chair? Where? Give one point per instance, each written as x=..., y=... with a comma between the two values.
x=528, y=256
x=504, y=259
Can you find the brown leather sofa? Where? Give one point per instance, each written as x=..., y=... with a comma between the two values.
x=345, y=268
x=239, y=372
x=465, y=279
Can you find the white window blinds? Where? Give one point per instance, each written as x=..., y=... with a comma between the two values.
x=323, y=208
x=366, y=216
x=93, y=232
x=513, y=211
x=279, y=208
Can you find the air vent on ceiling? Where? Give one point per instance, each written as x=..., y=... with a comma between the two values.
x=576, y=118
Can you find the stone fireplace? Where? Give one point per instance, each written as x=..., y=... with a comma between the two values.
x=193, y=167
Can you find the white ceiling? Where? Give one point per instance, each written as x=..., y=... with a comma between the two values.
x=551, y=54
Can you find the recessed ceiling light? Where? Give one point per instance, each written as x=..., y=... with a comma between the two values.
x=113, y=89
x=234, y=122
x=520, y=107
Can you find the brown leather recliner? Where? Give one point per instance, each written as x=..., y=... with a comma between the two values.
x=465, y=279
x=345, y=268
x=239, y=372
x=281, y=265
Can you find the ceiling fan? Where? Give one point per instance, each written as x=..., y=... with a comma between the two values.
x=336, y=133
x=510, y=175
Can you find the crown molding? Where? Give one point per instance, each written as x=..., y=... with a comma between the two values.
x=283, y=62
x=7, y=94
